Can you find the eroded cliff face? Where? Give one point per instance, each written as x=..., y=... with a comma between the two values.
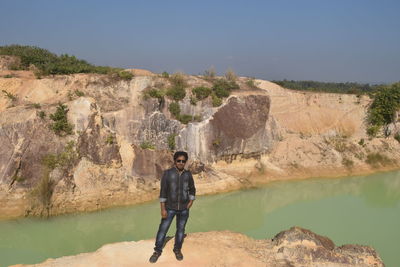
x=293, y=247
x=257, y=135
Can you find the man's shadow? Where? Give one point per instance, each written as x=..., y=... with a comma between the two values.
x=167, y=238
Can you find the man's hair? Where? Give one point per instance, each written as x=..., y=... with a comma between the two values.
x=180, y=153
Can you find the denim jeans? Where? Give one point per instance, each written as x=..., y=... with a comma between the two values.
x=181, y=219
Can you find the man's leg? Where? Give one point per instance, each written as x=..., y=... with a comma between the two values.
x=163, y=229
x=181, y=219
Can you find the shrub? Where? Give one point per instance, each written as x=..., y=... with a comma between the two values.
x=110, y=139
x=348, y=163
x=125, y=75
x=79, y=93
x=8, y=76
x=165, y=74
x=193, y=100
x=61, y=125
x=176, y=92
x=156, y=93
x=222, y=87
x=175, y=109
x=216, y=101
x=147, y=145
x=42, y=114
x=386, y=101
x=201, y=92
x=9, y=95
x=376, y=159
x=361, y=142
x=230, y=75
x=251, y=83
x=178, y=80
x=171, y=141
x=47, y=63
x=64, y=160
x=373, y=130
x=210, y=73
x=185, y=118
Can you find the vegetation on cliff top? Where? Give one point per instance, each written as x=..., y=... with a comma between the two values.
x=47, y=63
x=329, y=87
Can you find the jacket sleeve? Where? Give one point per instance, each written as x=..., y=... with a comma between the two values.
x=164, y=187
x=192, y=188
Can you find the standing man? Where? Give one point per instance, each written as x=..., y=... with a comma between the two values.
x=176, y=197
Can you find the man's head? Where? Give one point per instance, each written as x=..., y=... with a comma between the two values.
x=180, y=158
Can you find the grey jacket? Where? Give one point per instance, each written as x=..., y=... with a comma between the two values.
x=176, y=190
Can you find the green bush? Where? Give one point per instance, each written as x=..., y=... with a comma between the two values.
x=222, y=87
x=125, y=75
x=193, y=100
x=147, y=145
x=61, y=126
x=110, y=139
x=201, y=92
x=156, y=93
x=185, y=118
x=42, y=114
x=64, y=160
x=48, y=63
x=175, y=109
x=8, y=76
x=171, y=141
x=373, y=130
x=386, y=101
x=216, y=101
x=165, y=74
x=177, y=93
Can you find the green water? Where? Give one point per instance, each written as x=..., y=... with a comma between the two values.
x=359, y=210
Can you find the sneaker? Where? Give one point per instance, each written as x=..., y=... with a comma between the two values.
x=178, y=255
x=155, y=256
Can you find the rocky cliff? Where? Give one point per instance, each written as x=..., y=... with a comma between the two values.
x=121, y=140
x=293, y=247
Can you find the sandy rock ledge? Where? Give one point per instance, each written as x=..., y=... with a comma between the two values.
x=294, y=247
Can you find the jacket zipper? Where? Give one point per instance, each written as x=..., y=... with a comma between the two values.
x=178, y=189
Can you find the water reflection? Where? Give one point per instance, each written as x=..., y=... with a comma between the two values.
x=362, y=210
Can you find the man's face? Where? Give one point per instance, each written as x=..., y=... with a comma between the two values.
x=180, y=162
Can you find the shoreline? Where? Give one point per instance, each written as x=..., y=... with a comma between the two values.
x=257, y=181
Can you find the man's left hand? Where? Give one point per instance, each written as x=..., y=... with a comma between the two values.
x=189, y=204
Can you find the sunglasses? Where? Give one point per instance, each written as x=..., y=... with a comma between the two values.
x=181, y=160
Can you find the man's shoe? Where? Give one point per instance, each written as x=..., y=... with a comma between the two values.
x=178, y=255
x=155, y=256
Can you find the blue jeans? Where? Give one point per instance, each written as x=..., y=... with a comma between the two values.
x=181, y=219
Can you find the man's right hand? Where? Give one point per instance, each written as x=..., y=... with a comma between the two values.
x=164, y=213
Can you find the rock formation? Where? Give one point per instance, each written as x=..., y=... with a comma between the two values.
x=294, y=247
x=120, y=141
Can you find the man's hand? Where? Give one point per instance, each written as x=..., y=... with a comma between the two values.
x=189, y=204
x=164, y=213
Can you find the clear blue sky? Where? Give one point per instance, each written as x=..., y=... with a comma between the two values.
x=337, y=40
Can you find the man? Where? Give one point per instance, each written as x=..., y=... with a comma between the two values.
x=177, y=194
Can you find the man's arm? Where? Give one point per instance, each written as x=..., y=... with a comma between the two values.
x=163, y=194
x=192, y=191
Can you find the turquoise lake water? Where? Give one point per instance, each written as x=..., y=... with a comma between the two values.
x=352, y=210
